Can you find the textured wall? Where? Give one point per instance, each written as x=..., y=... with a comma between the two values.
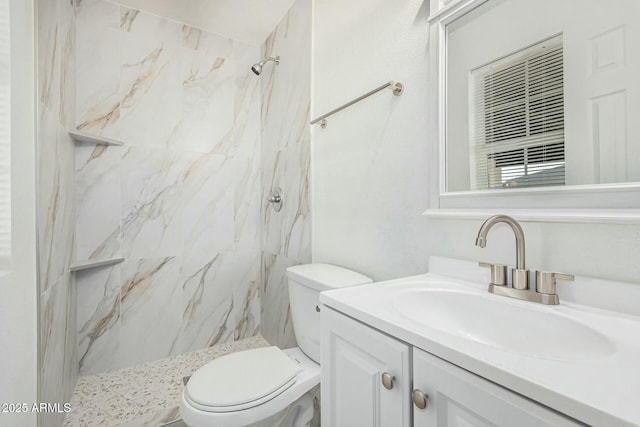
x=371, y=165
x=609, y=251
x=371, y=173
x=180, y=201
x=58, y=340
x=286, y=160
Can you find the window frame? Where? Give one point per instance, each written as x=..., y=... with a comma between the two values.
x=489, y=144
x=602, y=203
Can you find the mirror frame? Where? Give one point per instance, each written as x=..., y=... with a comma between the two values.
x=601, y=203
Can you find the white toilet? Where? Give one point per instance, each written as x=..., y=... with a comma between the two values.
x=258, y=387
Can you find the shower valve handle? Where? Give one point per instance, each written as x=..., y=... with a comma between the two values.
x=276, y=199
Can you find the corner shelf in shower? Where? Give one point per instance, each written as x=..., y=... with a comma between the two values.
x=93, y=263
x=93, y=139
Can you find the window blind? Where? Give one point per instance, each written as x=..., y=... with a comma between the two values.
x=5, y=134
x=517, y=129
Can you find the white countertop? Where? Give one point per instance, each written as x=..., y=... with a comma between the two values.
x=602, y=390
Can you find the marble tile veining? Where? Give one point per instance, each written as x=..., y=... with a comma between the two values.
x=98, y=201
x=247, y=294
x=296, y=215
x=58, y=355
x=209, y=189
x=55, y=194
x=285, y=162
x=248, y=200
x=98, y=318
x=276, y=323
x=143, y=395
x=49, y=54
x=150, y=92
x=98, y=62
x=149, y=315
x=204, y=41
x=180, y=201
x=207, y=301
x=152, y=181
x=205, y=140
x=247, y=204
x=150, y=26
x=208, y=93
x=67, y=46
x=272, y=176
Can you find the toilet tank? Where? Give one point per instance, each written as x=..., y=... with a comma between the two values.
x=305, y=284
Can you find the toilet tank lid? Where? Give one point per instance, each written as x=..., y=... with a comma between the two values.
x=323, y=277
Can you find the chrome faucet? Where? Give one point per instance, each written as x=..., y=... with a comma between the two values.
x=481, y=240
x=545, y=289
x=520, y=276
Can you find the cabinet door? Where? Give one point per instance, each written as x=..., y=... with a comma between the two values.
x=458, y=398
x=354, y=358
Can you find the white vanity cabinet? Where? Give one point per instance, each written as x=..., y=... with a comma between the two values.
x=458, y=398
x=354, y=359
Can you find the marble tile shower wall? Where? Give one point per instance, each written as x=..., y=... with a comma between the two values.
x=286, y=159
x=58, y=338
x=180, y=201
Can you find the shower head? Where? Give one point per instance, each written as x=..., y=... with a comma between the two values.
x=257, y=68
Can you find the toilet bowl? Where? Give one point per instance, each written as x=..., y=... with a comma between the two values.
x=267, y=386
x=263, y=399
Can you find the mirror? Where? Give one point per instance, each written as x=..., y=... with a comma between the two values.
x=542, y=93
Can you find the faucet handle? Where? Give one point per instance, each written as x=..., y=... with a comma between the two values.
x=498, y=273
x=546, y=281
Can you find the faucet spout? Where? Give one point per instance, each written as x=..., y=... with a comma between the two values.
x=481, y=240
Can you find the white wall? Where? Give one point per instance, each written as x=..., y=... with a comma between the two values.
x=596, y=250
x=18, y=304
x=370, y=163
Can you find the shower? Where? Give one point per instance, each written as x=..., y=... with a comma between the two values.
x=257, y=68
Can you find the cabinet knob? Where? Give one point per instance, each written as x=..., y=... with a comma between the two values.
x=387, y=380
x=420, y=399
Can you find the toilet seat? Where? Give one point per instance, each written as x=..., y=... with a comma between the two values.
x=241, y=380
x=307, y=377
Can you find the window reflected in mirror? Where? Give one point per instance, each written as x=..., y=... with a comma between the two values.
x=517, y=113
x=543, y=93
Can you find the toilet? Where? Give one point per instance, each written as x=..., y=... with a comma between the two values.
x=266, y=386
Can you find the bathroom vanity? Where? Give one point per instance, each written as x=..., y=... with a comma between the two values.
x=438, y=349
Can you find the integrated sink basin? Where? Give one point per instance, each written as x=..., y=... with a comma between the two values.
x=579, y=357
x=512, y=326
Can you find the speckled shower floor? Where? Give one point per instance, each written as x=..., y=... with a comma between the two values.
x=146, y=395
